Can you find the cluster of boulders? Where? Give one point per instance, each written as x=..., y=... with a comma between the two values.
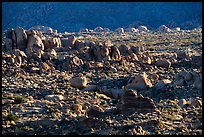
x=139, y=29
x=97, y=29
x=32, y=43
x=184, y=78
x=132, y=29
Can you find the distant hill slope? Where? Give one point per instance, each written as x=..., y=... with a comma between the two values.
x=72, y=16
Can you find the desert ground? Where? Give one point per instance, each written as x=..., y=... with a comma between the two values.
x=101, y=83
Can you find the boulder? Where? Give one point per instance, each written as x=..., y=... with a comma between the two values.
x=21, y=38
x=162, y=84
x=143, y=29
x=182, y=102
x=95, y=111
x=132, y=102
x=124, y=50
x=98, y=29
x=155, y=76
x=163, y=63
x=72, y=62
x=18, y=53
x=91, y=88
x=196, y=103
x=115, y=53
x=35, y=43
x=78, y=44
x=104, y=52
x=54, y=42
x=78, y=82
x=140, y=82
x=71, y=40
x=164, y=29
x=131, y=29
x=114, y=93
x=120, y=30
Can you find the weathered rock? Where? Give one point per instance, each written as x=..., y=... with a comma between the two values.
x=78, y=82
x=146, y=60
x=155, y=76
x=164, y=28
x=133, y=102
x=163, y=63
x=72, y=62
x=78, y=44
x=131, y=29
x=140, y=82
x=43, y=29
x=182, y=102
x=124, y=50
x=20, y=57
x=71, y=41
x=91, y=88
x=94, y=52
x=143, y=29
x=54, y=42
x=95, y=111
x=107, y=43
x=115, y=53
x=21, y=38
x=115, y=93
x=54, y=97
x=162, y=84
x=120, y=30
x=105, y=53
x=35, y=43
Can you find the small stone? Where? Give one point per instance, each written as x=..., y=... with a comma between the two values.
x=35, y=70
x=54, y=97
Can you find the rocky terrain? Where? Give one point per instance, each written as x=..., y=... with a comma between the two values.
x=101, y=82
